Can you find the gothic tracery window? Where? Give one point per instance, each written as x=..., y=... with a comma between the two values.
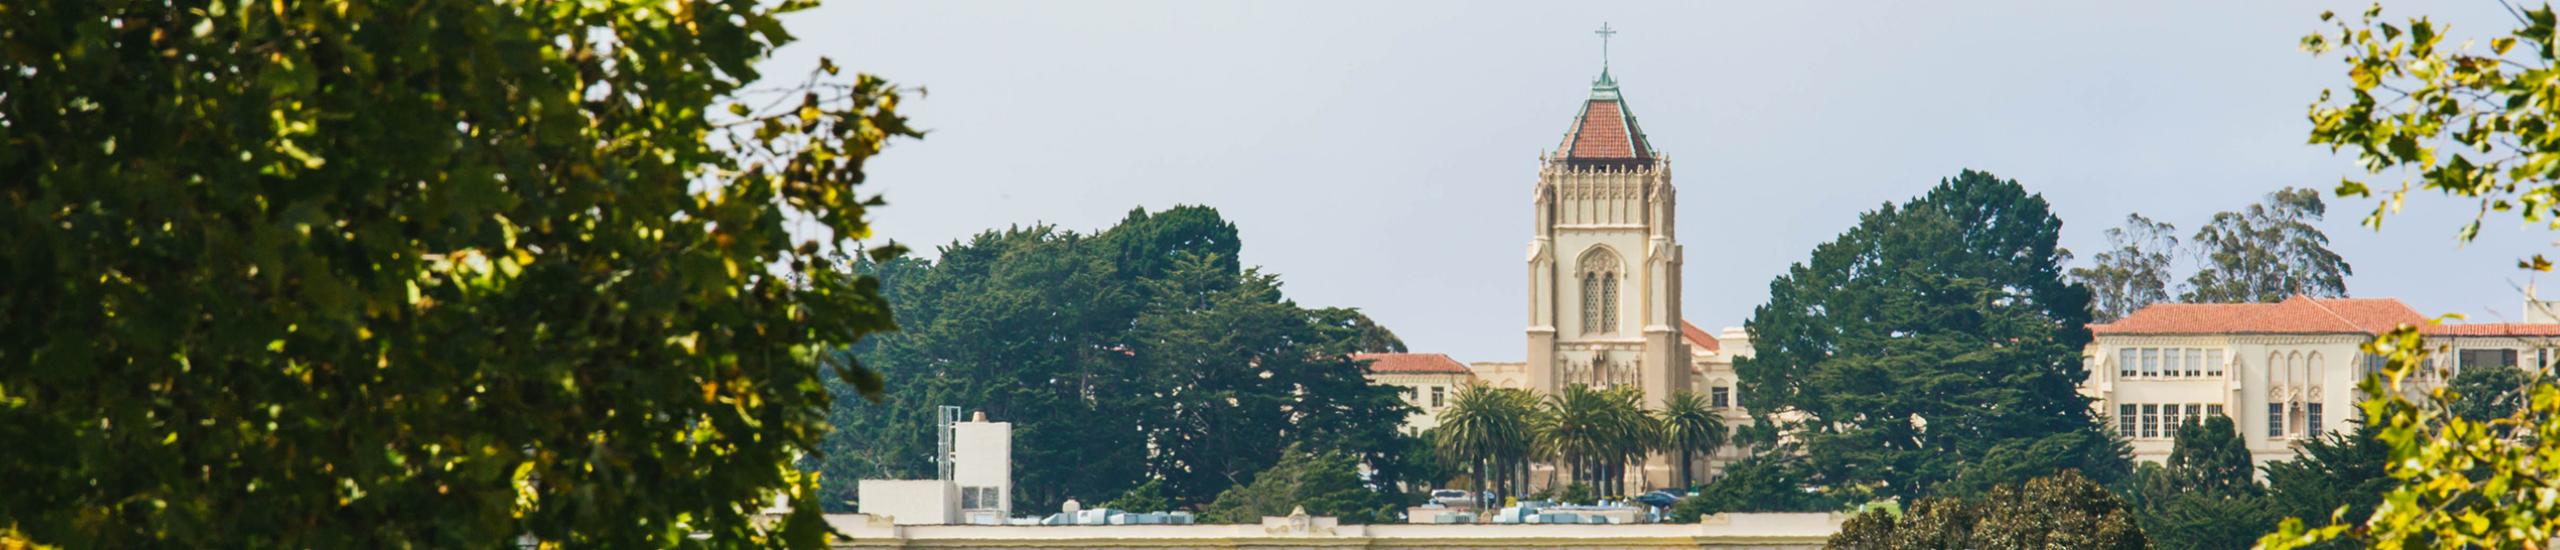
x=1600, y=271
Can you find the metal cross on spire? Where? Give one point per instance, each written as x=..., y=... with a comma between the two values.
x=1604, y=33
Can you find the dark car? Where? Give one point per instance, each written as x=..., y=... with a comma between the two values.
x=1662, y=499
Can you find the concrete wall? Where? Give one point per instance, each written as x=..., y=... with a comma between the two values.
x=909, y=501
x=982, y=457
x=1771, y=531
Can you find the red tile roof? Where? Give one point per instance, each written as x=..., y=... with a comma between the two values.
x=2296, y=315
x=1411, y=363
x=1699, y=337
x=2302, y=315
x=2495, y=329
x=1605, y=133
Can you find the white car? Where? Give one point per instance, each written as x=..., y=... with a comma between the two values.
x=1453, y=498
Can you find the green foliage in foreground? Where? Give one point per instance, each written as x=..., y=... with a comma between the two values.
x=1951, y=312
x=2059, y=511
x=1325, y=483
x=1100, y=348
x=2466, y=122
x=436, y=273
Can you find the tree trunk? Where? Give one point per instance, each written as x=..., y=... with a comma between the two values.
x=1684, y=471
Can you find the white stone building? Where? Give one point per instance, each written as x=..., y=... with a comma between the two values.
x=1429, y=382
x=2283, y=372
x=1603, y=302
x=979, y=490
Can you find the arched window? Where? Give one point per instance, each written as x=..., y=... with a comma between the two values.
x=1600, y=272
x=2318, y=374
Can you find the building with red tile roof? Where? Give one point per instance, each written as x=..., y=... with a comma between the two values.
x=1429, y=381
x=2284, y=372
x=1416, y=363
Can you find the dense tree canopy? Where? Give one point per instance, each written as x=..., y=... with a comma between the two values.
x=1935, y=343
x=442, y=273
x=1762, y=483
x=2063, y=510
x=2267, y=252
x=2340, y=474
x=1141, y=353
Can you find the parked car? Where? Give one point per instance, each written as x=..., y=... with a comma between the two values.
x=1453, y=498
x=1659, y=498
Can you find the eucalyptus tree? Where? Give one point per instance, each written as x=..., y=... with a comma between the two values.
x=2134, y=271
x=2267, y=252
x=1688, y=427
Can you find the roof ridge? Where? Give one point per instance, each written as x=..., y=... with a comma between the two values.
x=2324, y=308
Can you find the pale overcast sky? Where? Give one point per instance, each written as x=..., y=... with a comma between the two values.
x=1380, y=155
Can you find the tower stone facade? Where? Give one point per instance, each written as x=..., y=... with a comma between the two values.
x=1604, y=266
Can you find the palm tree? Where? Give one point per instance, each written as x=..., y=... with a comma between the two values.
x=1572, y=427
x=1484, y=428
x=1515, y=451
x=1688, y=427
x=1594, y=434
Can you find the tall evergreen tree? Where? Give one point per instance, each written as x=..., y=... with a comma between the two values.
x=2490, y=392
x=2267, y=252
x=2344, y=472
x=2207, y=497
x=1937, y=342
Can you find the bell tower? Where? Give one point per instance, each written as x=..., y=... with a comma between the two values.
x=1604, y=267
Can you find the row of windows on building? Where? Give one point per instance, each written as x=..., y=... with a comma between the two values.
x=2137, y=363
x=2169, y=363
x=1718, y=397
x=2161, y=420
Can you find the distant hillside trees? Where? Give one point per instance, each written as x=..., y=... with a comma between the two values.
x=1141, y=353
